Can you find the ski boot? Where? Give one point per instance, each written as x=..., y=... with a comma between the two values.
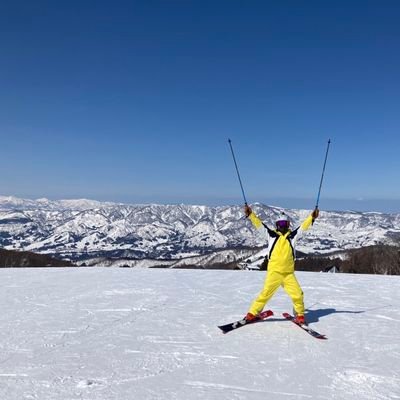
x=250, y=317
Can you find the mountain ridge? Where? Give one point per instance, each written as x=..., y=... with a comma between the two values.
x=86, y=229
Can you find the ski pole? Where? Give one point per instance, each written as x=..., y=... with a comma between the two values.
x=323, y=172
x=237, y=171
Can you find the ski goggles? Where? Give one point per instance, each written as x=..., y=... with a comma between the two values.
x=282, y=224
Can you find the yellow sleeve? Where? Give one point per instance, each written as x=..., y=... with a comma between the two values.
x=255, y=221
x=307, y=223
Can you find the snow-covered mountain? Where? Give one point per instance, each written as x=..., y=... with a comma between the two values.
x=83, y=229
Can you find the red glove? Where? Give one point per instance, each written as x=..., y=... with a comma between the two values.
x=315, y=213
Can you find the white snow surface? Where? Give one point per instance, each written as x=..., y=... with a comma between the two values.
x=116, y=334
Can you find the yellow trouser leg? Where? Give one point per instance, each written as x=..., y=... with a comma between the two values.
x=271, y=285
x=293, y=289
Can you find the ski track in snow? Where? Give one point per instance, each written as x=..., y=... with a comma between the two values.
x=116, y=334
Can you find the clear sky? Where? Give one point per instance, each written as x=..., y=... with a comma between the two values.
x=134, y=101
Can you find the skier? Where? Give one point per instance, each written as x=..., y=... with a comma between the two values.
x=281, y=256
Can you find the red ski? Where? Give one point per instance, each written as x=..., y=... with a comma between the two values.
x=304, y=327
x=242, y=322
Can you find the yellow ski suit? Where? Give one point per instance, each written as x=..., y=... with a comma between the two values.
x=281, y=257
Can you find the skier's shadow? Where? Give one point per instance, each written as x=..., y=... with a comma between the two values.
x=315, y=315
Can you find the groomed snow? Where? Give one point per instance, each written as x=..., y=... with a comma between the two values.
x=116, y=334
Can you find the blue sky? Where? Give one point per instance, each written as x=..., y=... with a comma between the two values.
x=134, y=101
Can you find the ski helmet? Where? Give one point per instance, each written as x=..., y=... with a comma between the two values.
x=283, y=221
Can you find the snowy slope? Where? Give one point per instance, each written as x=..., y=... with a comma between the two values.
x=122, y=334
x=81, y=229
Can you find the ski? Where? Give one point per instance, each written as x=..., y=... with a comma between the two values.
x=242, y=322
x=304, y=327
